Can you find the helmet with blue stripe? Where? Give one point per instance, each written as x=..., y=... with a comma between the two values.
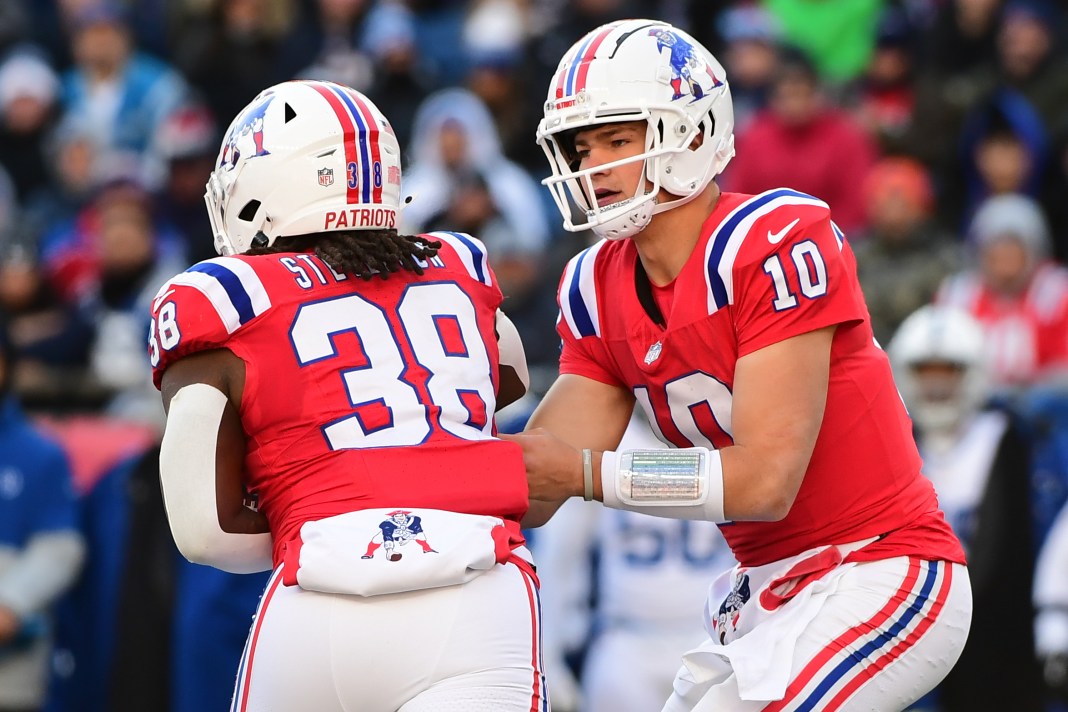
x=303, y=157
x=637, y=70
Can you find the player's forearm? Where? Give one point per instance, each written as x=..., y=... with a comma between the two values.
x=539, y=513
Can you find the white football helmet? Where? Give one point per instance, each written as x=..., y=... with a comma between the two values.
x=635, y=70
x=303, y=157
x=940, y=335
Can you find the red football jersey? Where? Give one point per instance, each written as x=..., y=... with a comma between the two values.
x=358, y=394
x=766, y=268
x=1026, y=334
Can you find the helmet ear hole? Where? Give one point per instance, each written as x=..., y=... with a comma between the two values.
x=290, y=114
x=249, y=211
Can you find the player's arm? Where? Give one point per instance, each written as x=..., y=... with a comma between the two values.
x=780, y=392
x=581, y=412
x=201, y=465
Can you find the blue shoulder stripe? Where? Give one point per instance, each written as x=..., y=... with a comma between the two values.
x=231, y=283
x=743, y=217
x=579, y=313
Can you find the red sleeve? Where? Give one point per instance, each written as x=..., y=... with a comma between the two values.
x=582, y=352
x=805, y=281
x=585, y=357
x=184, y=321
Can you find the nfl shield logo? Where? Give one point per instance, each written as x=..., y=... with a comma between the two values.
x=326, y=177
x=653, y=353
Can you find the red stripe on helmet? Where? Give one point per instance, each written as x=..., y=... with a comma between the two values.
x=349, y=142
x=372, y=140
x=587, y=58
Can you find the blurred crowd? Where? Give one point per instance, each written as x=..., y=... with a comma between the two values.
x=937, y=130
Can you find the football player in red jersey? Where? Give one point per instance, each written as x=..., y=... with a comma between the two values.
x=344, y=377
x=737, y=324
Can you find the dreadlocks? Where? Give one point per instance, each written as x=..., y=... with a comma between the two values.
x=363, y=253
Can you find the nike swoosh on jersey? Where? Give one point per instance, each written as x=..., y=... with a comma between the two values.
x=776, y=237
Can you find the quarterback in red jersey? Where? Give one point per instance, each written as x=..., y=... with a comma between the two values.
x=737, y=324
x=344, y=378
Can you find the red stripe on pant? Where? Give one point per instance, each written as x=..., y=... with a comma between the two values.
x=538, y=697
x=255, y=636
x=894, y=653
x=843, y=641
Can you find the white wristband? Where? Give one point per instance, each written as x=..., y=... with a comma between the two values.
x=682, y=483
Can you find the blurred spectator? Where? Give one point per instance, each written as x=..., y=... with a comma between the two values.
x=979, y=464
x=750, y=56
x=961, y=38
x=401, y=81
x=837, y=36
x=14, y=24
x=623, y=589
x=460, y=180
x=187, y=144
x=886, y=90
x=120, y=95
x=1004, y=149
x=52, y=336
x=493, y=40
x=107, y=263
x=41, y=548
x=1029, y=59
x=957, y=60
x=802, y=141
x=29, y=90
x=332, y=42
x=74, y=164
x=1016, y=291
x=231, y=52
x=903, y=256
x=134, y=253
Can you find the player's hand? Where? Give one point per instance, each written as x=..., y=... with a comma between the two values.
x=554, y=468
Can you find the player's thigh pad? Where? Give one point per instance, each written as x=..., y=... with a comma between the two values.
x=457, y=644
x=888, y=635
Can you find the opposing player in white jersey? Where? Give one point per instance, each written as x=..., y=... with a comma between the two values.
x=647, y=580
x=979, y=462
x=345, y=377
x=737, y=324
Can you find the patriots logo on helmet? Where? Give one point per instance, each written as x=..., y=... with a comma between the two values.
x=684, y=62
x=250, y=125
